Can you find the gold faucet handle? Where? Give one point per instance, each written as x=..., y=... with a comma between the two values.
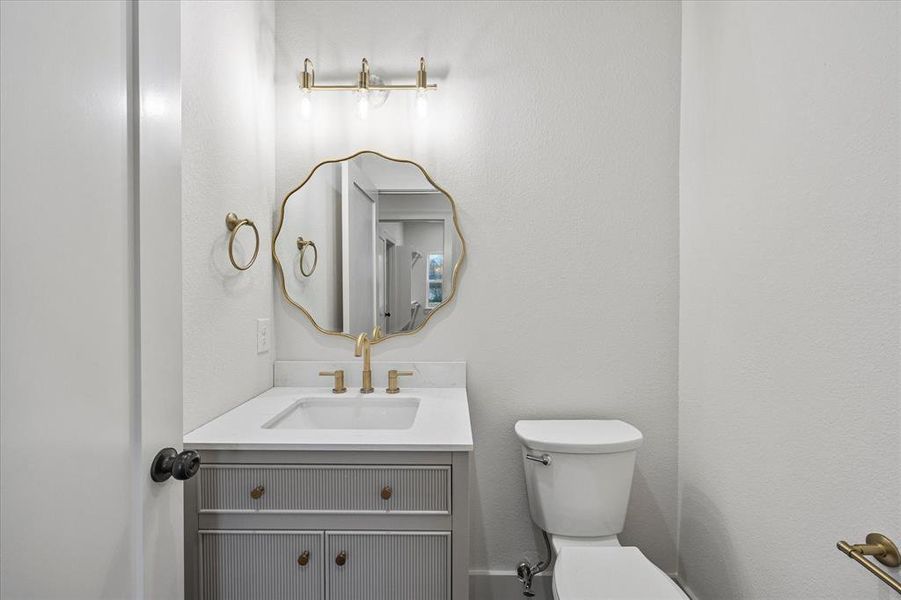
x=338, y=374
x=393, y=374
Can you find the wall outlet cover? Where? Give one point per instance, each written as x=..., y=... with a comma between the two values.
x=264, y=336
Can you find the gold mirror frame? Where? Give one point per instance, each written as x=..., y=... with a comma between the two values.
x=454, y=276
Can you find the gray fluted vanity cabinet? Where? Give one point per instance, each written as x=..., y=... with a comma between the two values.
x=328, y=525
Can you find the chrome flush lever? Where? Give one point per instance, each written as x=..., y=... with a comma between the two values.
x=543, y=459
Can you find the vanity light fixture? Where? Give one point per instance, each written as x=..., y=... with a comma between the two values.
x=364, y=86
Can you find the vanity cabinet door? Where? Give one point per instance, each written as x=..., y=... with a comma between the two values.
x=270, y=565
x=388, y=565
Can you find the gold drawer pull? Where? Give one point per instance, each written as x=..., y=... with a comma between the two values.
x=386, y=492
x=341, y=558
x=304, y=558
x=257, y=492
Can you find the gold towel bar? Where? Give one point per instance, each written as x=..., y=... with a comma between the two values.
x=234, y=224
x=882, y=549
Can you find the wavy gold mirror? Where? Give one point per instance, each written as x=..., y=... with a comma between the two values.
x=368, y=244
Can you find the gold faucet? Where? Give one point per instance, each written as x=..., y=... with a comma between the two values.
x=393, y=374
x=338, y=374
x=364, y=349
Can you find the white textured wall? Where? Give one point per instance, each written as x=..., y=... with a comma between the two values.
x=228, y=165
x=789, y=328
x=555, y=128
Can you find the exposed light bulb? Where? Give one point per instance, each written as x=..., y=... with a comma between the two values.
x=306, y=105
x=422, y=104
x=363, y=104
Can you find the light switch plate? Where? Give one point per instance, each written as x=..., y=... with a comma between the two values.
x=263, y=336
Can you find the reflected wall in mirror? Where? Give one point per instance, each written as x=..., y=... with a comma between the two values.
x=386, y=244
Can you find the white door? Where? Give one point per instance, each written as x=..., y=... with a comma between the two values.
x=359, y=215
x=401, y=296
x=90, y=299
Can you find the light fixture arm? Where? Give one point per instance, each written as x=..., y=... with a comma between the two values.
x=364, y=76
x=308, y=77
x=308, y=81
x=422, y=80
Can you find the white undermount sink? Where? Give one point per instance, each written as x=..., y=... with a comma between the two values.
x=370, y=412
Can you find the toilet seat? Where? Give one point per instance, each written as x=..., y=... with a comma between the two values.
x=610, y=573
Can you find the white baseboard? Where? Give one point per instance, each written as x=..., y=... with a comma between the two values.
x=503, y=585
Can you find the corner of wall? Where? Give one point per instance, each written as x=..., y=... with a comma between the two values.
x=228, y=166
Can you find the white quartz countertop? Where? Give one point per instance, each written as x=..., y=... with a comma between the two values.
x=441, y=424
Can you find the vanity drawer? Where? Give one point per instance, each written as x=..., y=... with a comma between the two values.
x=422, y=489
x=276, y=565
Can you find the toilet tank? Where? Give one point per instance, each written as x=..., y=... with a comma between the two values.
x=584, y=489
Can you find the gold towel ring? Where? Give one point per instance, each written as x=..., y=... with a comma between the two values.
x=302, y=245
x=234, y=224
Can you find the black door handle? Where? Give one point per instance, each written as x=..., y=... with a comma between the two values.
x=170, y=463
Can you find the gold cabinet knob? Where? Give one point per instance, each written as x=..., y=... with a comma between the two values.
x=341, y=559
x=386, y=492
x=304, y=558
x=257, y=492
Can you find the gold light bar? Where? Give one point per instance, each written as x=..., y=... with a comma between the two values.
x=308, y=81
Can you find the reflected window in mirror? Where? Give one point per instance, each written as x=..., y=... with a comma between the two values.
x=434, y=279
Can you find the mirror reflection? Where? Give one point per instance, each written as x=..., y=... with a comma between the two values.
x=368, y=245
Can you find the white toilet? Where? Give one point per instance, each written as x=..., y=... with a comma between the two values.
x=578, y=477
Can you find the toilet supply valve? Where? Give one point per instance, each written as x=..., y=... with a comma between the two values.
x=525, y=571
x=524, y=574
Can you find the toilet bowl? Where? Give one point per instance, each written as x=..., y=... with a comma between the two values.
x=578, y=479
x=608, y=573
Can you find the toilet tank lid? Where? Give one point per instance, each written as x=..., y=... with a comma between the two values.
x=579, y=436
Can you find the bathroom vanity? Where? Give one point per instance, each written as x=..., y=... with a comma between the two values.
x=306, y=494
x=346, y=488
